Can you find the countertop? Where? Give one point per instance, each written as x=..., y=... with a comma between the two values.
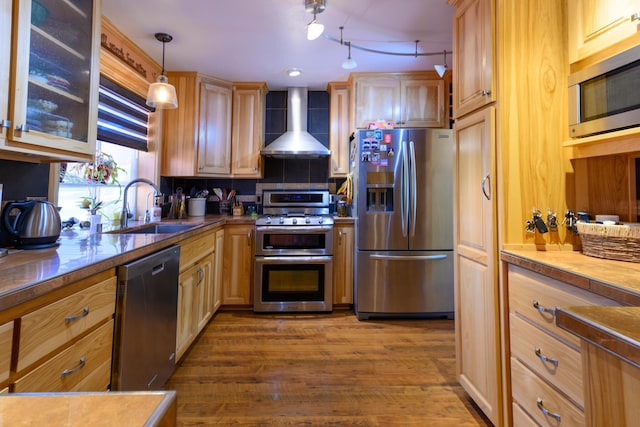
x=615, y=329
x=27, y=274
x=89, y=409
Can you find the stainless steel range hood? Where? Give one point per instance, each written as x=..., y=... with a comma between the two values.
x=296, y=142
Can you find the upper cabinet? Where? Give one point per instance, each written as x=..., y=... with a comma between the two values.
x=247, y=134
x=49, y=102
x=339, y=129
x=473, y=59
x=197, y=134
x=407, y=99
x=595, y=25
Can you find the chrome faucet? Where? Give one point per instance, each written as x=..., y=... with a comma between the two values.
x=124, y=216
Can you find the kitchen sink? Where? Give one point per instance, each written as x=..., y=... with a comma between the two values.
x=160, y=229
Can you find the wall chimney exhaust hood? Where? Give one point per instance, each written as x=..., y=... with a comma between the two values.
x=296, y=142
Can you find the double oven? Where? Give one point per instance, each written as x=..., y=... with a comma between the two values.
x=294, y=252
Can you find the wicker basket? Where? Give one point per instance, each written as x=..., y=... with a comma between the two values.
x=618, y=242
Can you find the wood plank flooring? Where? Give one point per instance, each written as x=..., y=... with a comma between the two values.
x=250, y=369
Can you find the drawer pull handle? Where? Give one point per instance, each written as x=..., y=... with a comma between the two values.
x=546, y=411
x=67, y=372
x=544, y=358
x=541, y=309
x=85, y=313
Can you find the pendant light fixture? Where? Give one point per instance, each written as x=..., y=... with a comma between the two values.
x=440, y=69
x=161, y=94
x=349, y=63
x=314, y=29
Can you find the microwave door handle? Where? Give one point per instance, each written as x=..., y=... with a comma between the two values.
x=414, y=192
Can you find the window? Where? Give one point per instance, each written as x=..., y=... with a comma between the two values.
x=122, y=133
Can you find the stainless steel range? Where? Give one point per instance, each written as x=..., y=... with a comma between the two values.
x=294, y=252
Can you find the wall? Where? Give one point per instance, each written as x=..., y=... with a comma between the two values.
x=275, y=170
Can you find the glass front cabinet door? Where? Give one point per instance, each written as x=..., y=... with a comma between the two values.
x=55, y=77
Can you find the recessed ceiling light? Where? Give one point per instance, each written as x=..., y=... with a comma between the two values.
x=294, y=72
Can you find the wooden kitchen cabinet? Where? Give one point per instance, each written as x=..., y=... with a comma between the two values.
x=65, y=339
x=197, y=135
x=50, y=111
x=407, y=99
x=546, y=361
x=6, y=346
x=339, y=129
x=473, y=61
x=238, y=264
x=596, y=25
x=196, y=288
x=218, y=262
x=247, y=133
x=343, y=252
x=475, y=265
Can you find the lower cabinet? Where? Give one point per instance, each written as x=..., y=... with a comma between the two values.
x=238, y=264
x=196, y=287
x=343, y=251
x=6, y=345
x=218, y=257
x=547, y=374
x=64, y=340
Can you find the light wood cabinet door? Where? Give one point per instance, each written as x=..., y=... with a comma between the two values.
x=377, y=98
x=595, y=25
x=218, y=272
x=197, y=135
x=84, y=366
x=6, y=346
x=247, y=137
x=474, y=62
x=238, y=264
x=343, y=252
x=54, y=79
x=475, y=244
x=194, y=302
x=339, y=129
x=214, y=130
x=423, y=103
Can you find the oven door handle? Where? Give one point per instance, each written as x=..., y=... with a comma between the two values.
x=408, y=257
x=294, y=259
x=302, y=229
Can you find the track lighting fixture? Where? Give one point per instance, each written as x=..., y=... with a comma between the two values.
x=440, y=69
x=162, y=94
x=349, y=63
x=314, y=29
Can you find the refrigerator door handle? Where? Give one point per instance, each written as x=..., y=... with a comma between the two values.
x=404, y=208
x=408, y=257
x=414, y=192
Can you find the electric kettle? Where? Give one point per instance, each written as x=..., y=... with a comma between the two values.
x=37, y=224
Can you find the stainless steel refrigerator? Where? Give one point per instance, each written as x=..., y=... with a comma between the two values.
x=404, y=205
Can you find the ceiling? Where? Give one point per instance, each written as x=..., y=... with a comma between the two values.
x=259, y=40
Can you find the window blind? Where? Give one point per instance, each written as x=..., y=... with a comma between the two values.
x=123, y=116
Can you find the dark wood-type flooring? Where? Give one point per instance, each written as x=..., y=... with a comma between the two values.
x=323, y=370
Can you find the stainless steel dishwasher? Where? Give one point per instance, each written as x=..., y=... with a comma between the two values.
x=145, y=325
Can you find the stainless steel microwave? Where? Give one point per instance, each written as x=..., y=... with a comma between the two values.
x=605, y=96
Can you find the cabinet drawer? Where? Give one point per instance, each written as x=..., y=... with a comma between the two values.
x=527, y=288
x=566, y=375
x=85, y=366
x=51, y=326
x=520, y=418
x=6, y=340
x=194, y=248
x=528, y=389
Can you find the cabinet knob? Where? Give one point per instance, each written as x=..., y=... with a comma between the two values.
x=635, y=16
x=5, y=124
x=486, y=92
x=545, y=411
x=22, y=128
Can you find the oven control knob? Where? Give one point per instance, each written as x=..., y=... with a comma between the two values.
x=268, y=220
x=307, y=220
x=294, y=221
x=281, y=220
x=320, y=220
